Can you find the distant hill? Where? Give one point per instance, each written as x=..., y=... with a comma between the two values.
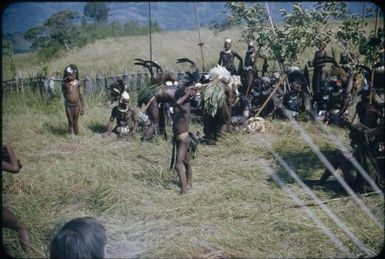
x=21, y=16
x=169, y=15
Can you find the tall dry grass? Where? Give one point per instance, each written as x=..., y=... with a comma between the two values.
x=233, y=210
x=114, y=55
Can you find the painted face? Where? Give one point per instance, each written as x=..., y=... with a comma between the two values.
x=125, y=102
x=227, y=45
x=71, y=72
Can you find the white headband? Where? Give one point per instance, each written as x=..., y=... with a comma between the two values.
x=125, y=96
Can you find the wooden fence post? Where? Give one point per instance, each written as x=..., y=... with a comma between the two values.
x=125, y=78
x=51, y=87
x=21, y=83
x=88, y=87
x=99, y=82
x=105, y=84
x=47, y=86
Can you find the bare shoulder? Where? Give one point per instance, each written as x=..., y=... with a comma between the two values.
x=77, y=82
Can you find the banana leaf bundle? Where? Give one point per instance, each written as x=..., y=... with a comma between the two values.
x=145, y=93
x=213, y=96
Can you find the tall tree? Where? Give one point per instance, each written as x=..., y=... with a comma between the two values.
x=58, y=32
x=96, y=11
x=302, y=28
x=61, y=27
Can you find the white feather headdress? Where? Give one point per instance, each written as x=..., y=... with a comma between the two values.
x=220, y=73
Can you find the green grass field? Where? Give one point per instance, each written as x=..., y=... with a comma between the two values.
x=234, y=209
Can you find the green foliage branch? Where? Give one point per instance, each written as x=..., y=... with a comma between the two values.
x=213, y=97
x=8, y=52
x=303, y=29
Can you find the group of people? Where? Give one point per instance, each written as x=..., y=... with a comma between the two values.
x=331, y=105
x=367, y=137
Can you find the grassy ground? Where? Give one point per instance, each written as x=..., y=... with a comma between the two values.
x=234, y=209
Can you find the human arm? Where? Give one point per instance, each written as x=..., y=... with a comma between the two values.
x=109, y=130
x=220, y=58
x=180, y=103
x=132, y=121
x=240, y=64
x=10, y=162
x=109, y=125
x=237, y=55
x=82, y=102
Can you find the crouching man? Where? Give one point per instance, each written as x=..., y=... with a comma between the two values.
x=240, y=112
x=369, y=150
x=125, y=118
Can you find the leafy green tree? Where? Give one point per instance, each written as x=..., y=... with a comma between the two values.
x=301, y=29
x=371, y=48
x=58, y=32
x=255, y=19
x=7, y=48
x=8, y=53
x=96, y=11
x=38, y=36
x=61, y=27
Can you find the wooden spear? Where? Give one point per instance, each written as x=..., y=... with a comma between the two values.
x=271, y=94
x=200, y=44
x=149, y=25
x=372, y=90
x=281, y=66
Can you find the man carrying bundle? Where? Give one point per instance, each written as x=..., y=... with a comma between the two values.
x=182, y=137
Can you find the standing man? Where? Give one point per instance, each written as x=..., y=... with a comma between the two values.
x=251, y=58
x=226, y=57
x=182, y=139
x=318, y=74
x=250, y=67
x=73, y=98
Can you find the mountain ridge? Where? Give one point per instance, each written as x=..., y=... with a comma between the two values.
x=19, y=17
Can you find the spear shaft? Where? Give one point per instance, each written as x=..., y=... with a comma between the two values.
x=149, y=24
x=372, y=90
x=200, y=44
x=281, y=65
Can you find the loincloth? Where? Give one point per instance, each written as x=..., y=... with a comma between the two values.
x=182, y=136
x=68, y=104
x=192, y=149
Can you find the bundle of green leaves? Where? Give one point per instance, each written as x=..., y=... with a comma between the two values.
x=213, y=96
x=146, y=92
